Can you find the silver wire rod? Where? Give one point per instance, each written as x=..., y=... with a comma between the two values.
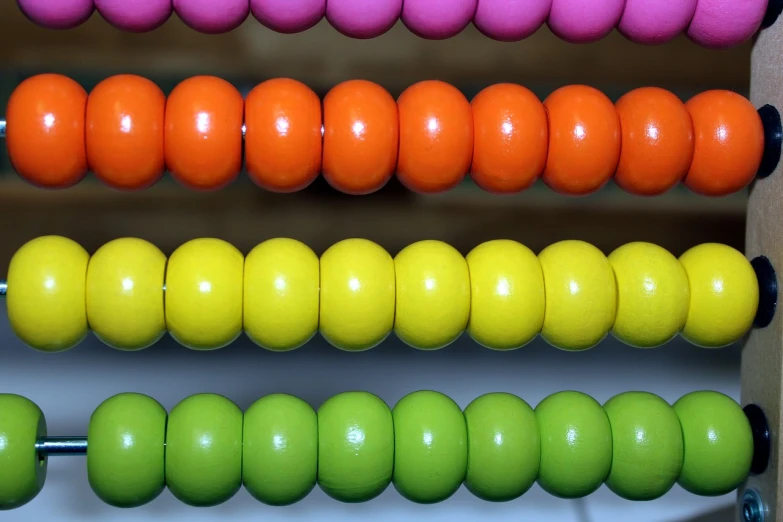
x=55, y=446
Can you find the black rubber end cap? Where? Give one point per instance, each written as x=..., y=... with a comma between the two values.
x=773, y=140
x=768, y=291
x=761, y=439
x=774, y=8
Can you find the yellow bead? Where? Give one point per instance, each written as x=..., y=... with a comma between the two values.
x=46, y=293
x=581, y=299
x=507, y=295
x=203, y=301
x=652, y=295
x=357, y=294
x=281, y=294
x=125, y=293
x=724, y=295
x=433, y=294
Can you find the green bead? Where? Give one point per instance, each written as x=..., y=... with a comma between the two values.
x=355, y=446
x=22, y=470
x=718, y=443
x=125, y=461
x=204, y=450
x=504, y=447
x=431, y=454
x=576, y=444
x=648, y=449
x=280, y=454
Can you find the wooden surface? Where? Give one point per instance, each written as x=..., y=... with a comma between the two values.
x=762, y=357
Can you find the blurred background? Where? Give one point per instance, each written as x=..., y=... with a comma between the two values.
x=69, y=386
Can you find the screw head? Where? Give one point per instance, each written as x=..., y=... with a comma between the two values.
x=752, y=507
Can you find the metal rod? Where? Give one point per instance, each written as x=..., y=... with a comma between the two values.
x=54, y=446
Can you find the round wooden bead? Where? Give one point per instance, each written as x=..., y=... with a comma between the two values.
x=433, y=294
x=728, y=143
x=138, y=17
x=653, y=22
x=355, y=446
x=361, y=137
x=511, y=21
x=724, y=295
x=657, y=141
x=45, y=134
x=437, y=19
x=507, y=299
x=718, y=443
x=431, y=447
x=65, y=14
x=211, y=17
x=280, y=449
x=204, y=450
x=281, y=285
x=575, y=435
x=203, y=134
x=581, y=295
x=436, y=137
x=360, y=19
x=647, y=446
x=357, y=295
x=584, y=21
x=126, y=437
x=124, y=294
x=584, y=140
x=125, y=120
x=204, y=283
x=504, y=447
x=510, y=139
x=46, y=293
x=283, y=143
x=23, y=469
x=719, y=25
x=288, y=16
x=653, y=295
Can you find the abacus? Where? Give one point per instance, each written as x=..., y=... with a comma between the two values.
x=502, y=294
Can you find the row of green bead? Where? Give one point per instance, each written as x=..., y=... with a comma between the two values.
x=355, y=446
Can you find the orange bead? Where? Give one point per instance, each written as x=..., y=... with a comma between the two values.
x=283, y=135
x=203, y=138
x=436, y=137
x=584, y=140
x=45, y=131
x=657, y=141
x=729, y=143
x=510, y=138
x=361, y=137
x=125, y=115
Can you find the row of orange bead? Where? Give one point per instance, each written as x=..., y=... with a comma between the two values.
x=128, y=132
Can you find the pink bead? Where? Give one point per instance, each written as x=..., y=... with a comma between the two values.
x=511, y=20
x=363, y=19
x=437, y=19
x=62, y=14
x=584, y=21
x=288, y=16
x=212, y=16
x=138, y=17
x=719, y=24
x=652, y=22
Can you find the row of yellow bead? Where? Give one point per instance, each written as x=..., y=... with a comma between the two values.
x=356, y=294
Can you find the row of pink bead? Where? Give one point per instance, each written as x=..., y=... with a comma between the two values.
x=711, y=23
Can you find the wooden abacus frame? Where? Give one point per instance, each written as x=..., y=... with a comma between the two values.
x=762, y=355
